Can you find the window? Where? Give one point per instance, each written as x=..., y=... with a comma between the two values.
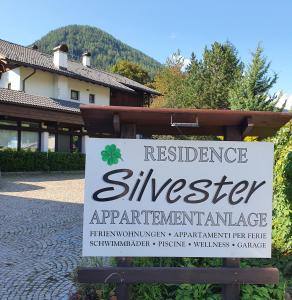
x=63, y=143
x=8, y=139
x=8, y=122
x=76, y=143
x=91, y=98
x=30, y=124
x=29, y=140
x=74, y=95
x=9, y=86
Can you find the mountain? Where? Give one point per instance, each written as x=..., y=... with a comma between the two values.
x=105, y=49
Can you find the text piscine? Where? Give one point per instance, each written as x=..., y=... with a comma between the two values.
x=194, y=218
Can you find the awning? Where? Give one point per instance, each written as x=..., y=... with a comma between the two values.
x=171, y=121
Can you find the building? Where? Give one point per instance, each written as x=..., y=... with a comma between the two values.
x=40, y=96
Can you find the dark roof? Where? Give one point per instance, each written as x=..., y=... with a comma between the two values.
x=33, y=58
x=174, y=121
x=131, y=83
x=21, y=98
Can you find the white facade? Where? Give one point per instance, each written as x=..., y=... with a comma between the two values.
x=61, y=90
x=11, y=77
x=42, y=83
x=102, y=94
x=53, y=85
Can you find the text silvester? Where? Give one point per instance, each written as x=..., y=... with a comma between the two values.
x=172, y=190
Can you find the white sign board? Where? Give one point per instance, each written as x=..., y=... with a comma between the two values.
x=177, y=198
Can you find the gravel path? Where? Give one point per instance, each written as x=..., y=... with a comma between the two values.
x=40, y=235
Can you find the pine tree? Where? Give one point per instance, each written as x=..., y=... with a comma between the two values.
x=251, y=92
x=104, y=48
x=210, y=79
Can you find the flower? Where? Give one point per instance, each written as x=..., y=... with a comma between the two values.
x=111, y=154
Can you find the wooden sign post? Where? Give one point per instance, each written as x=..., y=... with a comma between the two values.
x=232, y=291
x=128, y=131
x=127, y=122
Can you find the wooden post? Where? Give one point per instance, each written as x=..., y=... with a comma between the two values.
x=128, y=131
x=232, y=291
x=233, y=133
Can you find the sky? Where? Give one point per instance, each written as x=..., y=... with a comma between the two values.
x=160, y=27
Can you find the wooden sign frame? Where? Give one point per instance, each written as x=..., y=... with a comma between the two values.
x=230, y=275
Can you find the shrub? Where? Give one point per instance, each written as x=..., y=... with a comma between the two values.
x=282, y=204
x=97, y=291
x=62, y=161
x=21, y=161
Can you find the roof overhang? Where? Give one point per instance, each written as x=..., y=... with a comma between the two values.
x=170, y=121
x=16, y=55
x=68, y=74
x=26, y=112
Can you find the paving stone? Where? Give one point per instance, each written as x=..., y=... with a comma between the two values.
x=40, y=235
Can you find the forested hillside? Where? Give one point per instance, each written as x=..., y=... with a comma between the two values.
x=105, y=49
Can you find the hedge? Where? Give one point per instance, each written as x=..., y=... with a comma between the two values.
x=282, y=200
x=62, y=161
x=21, y=161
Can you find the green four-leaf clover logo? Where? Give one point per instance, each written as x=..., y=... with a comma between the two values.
x=111, y=154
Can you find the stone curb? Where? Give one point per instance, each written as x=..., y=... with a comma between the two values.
x=5, y=174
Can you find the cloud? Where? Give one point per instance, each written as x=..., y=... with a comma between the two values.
x=177, y=57
x=282, y=100
x=186, y=62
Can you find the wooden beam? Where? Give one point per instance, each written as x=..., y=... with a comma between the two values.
x=116, y=124
x=247, y=126
x=173, y=275
x=40, y=114
x=232, y=292
x=157, y=120
x=232, y=133
x=7, y=66
x=126, y=131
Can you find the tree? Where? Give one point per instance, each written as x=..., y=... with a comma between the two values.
x=210, y=79
x=131, y=70
x=251, y=92
x=104, y=48
x=205, y=83
x=170, y=82
x=282, y=199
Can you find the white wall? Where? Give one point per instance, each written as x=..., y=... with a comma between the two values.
x=13, y=77
x=61, y=87
x=102, y=94
x=53, y=85
x=4, y=80
x=41, y=83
